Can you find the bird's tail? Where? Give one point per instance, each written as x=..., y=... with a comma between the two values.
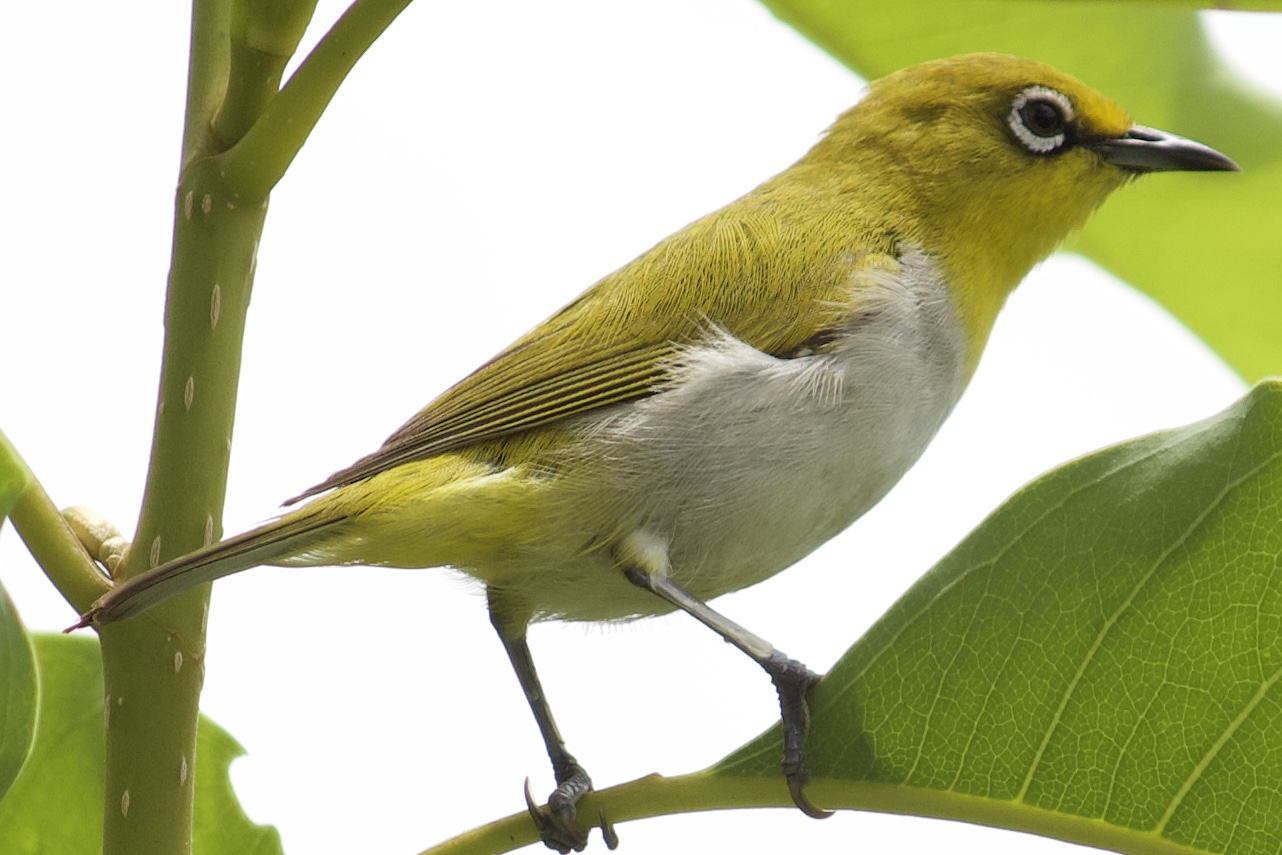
x=272, y=542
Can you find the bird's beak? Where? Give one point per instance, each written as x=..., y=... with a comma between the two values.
x=1150, y=150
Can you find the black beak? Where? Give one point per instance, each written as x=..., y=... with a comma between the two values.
x=1150, y=150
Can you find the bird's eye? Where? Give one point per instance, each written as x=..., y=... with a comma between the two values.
x=1040, y=118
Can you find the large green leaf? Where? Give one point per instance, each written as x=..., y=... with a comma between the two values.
x=18, y=689
x=1098, y=661
x=56, y=803
x=19, y=694
x=1208, y=247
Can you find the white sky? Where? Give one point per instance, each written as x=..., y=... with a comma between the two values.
x=483, y=164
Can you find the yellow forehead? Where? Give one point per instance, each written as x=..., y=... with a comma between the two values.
x=990, y=82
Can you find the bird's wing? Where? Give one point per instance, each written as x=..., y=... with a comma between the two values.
x=731, y=271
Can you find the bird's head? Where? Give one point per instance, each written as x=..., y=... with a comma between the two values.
x=990, y=161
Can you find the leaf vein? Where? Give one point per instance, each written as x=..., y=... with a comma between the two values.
x=1116, y=616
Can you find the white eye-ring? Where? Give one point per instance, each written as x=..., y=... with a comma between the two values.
x=1039, y=118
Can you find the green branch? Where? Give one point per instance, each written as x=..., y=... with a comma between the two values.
x=207, y=65
x=153, y=667
x=261, y=157
x=656, y=795
x=240, y=135
x=264, y=35
x=50, y=540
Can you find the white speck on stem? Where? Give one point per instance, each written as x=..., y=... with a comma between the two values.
x=124, y=803
x=215, y=305
x=206, y=204
x=189, y=392
x=182, y=770
x=209, y=529
x=155, y=552
x=178, y=662
x=187, y=205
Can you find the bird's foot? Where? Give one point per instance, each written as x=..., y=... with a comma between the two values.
x=558, y=822
x=793, y=681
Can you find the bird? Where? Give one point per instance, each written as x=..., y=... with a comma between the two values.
x=714, y=410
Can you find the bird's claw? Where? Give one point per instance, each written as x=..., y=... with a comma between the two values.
x=796, y=788
x=608, y=833
x=793, y=681
x=555, y=830
x=557, y=823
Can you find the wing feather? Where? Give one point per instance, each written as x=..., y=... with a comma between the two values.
x=619, y=340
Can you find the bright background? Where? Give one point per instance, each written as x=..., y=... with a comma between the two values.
x=482, y=165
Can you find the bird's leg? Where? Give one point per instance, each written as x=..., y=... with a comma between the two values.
x=557, y=823
x=792, y=679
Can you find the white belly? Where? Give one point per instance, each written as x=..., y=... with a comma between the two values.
x=749, y=462
x=744, y=464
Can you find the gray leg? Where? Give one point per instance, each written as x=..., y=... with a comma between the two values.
x=791, y=678
x=558, y=825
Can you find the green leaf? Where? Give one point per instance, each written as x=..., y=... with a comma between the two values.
x=221, y=825
x=57, y=802
x=1099, y=661
x=19, y=693
x=1171, y=235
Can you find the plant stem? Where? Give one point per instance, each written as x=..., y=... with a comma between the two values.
x=51, y=541
x=153, y=667
x=267, y=149
x=655, y=795
x=240, y=136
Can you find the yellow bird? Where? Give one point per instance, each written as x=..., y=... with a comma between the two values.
x=713, y=411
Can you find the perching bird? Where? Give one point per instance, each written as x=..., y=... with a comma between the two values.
x=716, y=409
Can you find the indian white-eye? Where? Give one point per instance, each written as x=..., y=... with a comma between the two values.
x=713, y=411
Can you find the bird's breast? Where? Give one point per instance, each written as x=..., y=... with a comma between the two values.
x=746, y=461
